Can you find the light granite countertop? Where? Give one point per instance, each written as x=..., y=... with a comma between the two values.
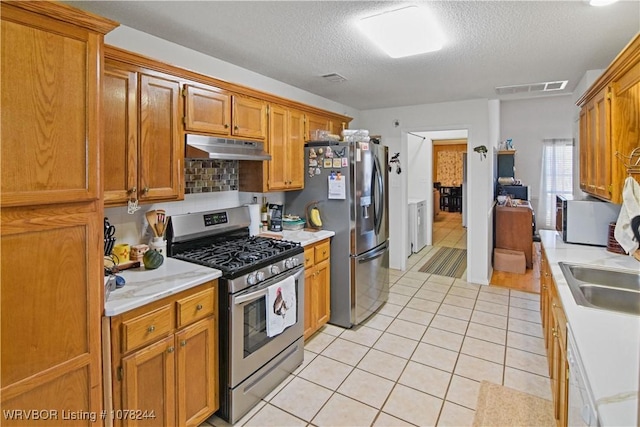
x=608, y=342
x=303, y=237
x=144, y=286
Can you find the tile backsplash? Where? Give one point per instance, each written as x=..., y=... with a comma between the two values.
x=208, y=176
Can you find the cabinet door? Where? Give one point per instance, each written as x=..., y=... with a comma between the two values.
x=602, y=146
x=278, y=148
x=309, y=322
x=249, y=117
x=313, y=123
x=295, y=152
x=322, y=299
x=584, y=150
x=161, y=150
x=49, y=126
x=149, y=384
x=625, y=121
x=336, y=126
x=50, y=324
x=120, y=134
x=197, y=372
x=207, y=110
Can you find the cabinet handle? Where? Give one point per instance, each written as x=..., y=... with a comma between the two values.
x=145, y=190
x=183, y=343
x=170, y=349
x=226, y=126
x=151, y=328
x=554, y=305
x=132, y=190
x=555, y=334
x=199, y=307
x=235, y=128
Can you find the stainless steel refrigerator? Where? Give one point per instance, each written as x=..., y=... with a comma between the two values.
x=350, y=181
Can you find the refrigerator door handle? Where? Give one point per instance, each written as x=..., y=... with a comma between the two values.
x=376, y=254
x=378, y=202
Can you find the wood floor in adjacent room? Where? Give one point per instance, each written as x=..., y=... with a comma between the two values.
x=448, y=231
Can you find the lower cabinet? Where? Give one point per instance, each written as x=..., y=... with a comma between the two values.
x=554, y=325
x=317, y=282
x=164, y=360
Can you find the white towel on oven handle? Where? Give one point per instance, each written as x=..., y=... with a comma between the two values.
x=281, y=306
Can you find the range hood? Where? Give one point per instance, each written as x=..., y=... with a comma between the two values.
x=208, y=147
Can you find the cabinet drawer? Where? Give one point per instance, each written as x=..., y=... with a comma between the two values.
x=322, y=251
x=195, y=307
x=309, y=258
x=146, y=328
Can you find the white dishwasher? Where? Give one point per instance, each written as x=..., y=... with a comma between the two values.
x=582, y=409
x=417, y=224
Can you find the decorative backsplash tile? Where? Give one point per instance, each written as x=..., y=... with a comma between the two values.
x=207, y=176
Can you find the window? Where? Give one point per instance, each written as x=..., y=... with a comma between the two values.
x=556, y=178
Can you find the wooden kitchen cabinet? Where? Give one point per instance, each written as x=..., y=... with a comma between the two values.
x=249, y=117
x=286, y=146
x=609, y=116
x=164, y=359
x=213, y=110
x=207, y=110
x=554, y=326
x=317, y=282
x=285, y=170
x=144, y=150
x=595, y=146
x=51, y=300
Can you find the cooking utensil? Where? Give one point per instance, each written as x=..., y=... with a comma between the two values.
x=152, y=219
x=161, y=222
x=109, y=239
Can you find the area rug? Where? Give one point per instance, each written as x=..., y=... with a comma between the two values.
x=451, y=262
x=503, y=406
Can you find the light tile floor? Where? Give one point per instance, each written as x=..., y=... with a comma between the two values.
x=418, y=361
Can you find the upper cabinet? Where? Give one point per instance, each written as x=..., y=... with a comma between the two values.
x=249, y=117
x=216, y=111
x=50, y=128
x=142, y=135
x=609, y=117
x=207, y=110
x=286, y=146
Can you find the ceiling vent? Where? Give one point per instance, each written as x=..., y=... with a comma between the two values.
x=532, y=87
x=334, y=78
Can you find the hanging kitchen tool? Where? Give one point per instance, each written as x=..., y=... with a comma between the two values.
x=160, y=222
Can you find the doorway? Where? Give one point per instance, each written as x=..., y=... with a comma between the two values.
x=444, y=227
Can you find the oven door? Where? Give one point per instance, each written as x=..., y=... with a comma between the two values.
x=250, y=346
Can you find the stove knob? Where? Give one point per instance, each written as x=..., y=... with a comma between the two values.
x=275, y=269
x=288, y=263
x=251, y=279
x=260, y=276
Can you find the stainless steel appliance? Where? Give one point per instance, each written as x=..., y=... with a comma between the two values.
x=582, y=410
x=252, y=363
x=585, y=221
x=349, y=181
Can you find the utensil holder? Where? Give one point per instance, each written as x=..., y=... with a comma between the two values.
x=159, y=244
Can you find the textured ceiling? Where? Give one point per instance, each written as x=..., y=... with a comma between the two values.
x=489, y=43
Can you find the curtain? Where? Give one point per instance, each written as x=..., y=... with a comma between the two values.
x=556, y=178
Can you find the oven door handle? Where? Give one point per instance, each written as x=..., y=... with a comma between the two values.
x=263, y=291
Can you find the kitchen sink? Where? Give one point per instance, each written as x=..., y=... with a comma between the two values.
x=599, y=287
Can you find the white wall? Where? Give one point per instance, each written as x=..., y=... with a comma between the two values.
x=477, y=117
x=527, y=122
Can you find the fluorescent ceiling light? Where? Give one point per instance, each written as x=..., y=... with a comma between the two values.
x=403, y=32
x=601, y=2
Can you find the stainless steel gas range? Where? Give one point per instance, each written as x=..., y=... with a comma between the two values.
x=253, y=358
